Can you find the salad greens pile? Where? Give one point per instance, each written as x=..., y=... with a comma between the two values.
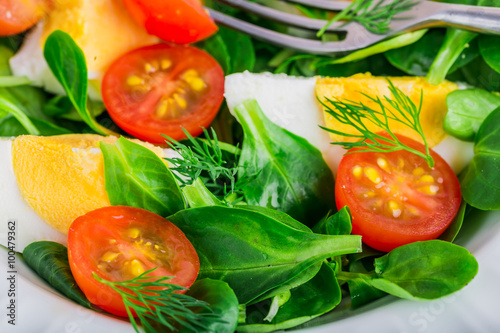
x=275, y=254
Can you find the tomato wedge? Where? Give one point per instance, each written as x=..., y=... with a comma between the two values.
x=395, y=198
x=175, y=21
x=19, y=15
x=161, y=89
x=119, y=243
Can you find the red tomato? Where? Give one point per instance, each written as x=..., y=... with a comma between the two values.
x=161, y=88
x=119, y=243
x=18, y=15
x=395, y=198
x=175, y=21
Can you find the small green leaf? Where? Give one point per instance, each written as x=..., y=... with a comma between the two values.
x=135, y=176
x=480, y=182
x=489, y=47
x=67, y=62
x=7, y=106
x=50, y=261
x=337, y=224
x=467, y=110
x=452, y=231
x=221, y=300
x=424, y=270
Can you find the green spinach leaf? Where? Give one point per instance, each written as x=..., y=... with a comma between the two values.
x=135, y=176
x=452, y=231
x=424, y=270
x=489, y=47
x=222, y=301
x=50, y=261
x=67, y=62
x=318, y=296
x=290, y=174
x=467, y=110
x=252, y=252
x=8, y=106
x=480, y=182
x=361, y=291
x=10, y=126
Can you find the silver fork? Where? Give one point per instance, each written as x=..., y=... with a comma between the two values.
x=424, y=14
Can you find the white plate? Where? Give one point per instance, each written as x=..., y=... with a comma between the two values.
x=473, y=309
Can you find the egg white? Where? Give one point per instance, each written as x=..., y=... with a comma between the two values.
x=291, y=103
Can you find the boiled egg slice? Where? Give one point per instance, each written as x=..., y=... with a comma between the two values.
x=291, y=103
x=47, y=182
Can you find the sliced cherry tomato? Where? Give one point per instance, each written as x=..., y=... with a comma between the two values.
x=395, y=198
x=119, y=243
x=175, y=21
x=19, y=15
x=161, y=89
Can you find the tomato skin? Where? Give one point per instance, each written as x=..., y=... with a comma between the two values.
x=175, y=21
x=106, y=230
x=17, y=16
x=137, y=113
x=379, y=229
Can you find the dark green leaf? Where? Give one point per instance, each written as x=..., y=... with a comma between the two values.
x=319, y=295
x=278, y=216
x=252, y=252
x=284, y=164
x=137, y=177
x=467, y=110
x=10, y=126
x=50, y=261
x=8, y=106
x=67, y=62
x=479, y=74
x=489, y=46
x=480, y=182
x=222, y=301
x=361, y=291
x=337, y=224
x=424, y=270
x=240, y=49
x=217, y=48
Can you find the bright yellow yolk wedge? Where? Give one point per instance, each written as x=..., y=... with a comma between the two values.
x=62, y=177
x=102, y=28
x=351, y=88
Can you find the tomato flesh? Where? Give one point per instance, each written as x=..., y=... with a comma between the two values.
x=161, y=89
x=17, y=16
x=395, y=198
x=119, y=243
x=175, y=21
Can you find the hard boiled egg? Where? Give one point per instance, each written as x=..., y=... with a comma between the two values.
x=291, y=103
x=102, y=28
x=47, y=182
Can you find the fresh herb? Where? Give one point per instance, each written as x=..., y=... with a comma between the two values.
x=398, y=108
x=489, y=47
x=375, y=16
x=253, y=252
x=283, y=163
x=50, y=261
x=7, y=107
x=206, y=159
x=135, y=176
x=157, y=303
x=67, y=62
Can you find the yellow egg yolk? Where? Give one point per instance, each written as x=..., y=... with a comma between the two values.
x=62, y=177
x=352, y=88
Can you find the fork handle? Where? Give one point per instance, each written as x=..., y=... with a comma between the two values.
x=479, y=19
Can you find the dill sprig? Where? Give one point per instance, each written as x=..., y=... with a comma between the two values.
x=375, y=16
x=399, y=108
x=158, y=305
x=204, y=158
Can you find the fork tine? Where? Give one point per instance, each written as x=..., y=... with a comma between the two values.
x=282, y=17
x=356, y=38
x=335, y=5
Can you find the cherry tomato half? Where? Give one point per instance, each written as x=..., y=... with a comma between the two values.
x=119, y=243
x=175, y=21
x=395, y=198
x=18, y=15
x=161, y=89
